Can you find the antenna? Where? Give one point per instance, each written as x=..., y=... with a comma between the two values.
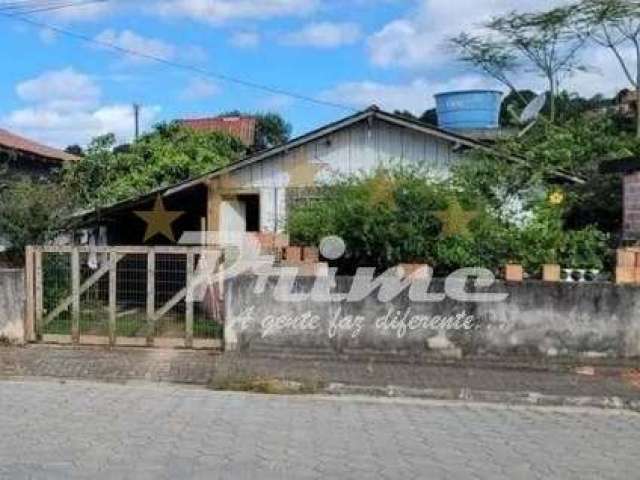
x=531, y=113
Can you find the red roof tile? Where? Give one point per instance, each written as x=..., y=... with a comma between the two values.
x=12, y=141
x=243, y=128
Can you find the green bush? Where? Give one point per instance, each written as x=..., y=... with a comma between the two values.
x=384, y=218
x=540, y=240
x=392, y=216
x=169, y=154
x=586, y=248
x=31, y=213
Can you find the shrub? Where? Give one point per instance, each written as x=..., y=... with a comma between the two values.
x=586, y=248
x=31, y=214
x=391, y=217
x=540, y=240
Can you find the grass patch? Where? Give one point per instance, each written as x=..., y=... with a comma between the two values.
x=96, y=322
x=239, y=381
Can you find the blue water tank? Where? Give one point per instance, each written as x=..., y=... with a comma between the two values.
x=469, y=109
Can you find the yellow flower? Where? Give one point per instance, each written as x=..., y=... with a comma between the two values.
x=556, y=198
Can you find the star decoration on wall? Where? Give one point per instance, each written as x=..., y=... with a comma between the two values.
x=303, y=174
x=455, y=220
x=382, y=190
x=159, y=220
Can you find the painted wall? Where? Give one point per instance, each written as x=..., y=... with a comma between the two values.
x=537, y=319
x=12, y=303
x=360, y=147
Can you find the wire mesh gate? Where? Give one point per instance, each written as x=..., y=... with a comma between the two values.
x=129, y=296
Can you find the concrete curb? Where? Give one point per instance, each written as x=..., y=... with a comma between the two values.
x=392, y=392
x=487, y=396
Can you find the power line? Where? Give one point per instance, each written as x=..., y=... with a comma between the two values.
x=183, y=66
x=55, y=7
x=23, y=3
x=28, y=4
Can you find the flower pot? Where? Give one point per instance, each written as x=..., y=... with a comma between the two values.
x=514, y=273
x=551, y=273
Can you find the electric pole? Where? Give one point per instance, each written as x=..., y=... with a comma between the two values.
x=136, y=117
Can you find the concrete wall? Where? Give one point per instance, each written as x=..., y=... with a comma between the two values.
x=540, y=319
x=12, y=303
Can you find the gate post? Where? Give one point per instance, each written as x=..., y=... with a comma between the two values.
x=113, y=277
x=151, y=295
x=37, y=260
x=30, y=307
x=75, y=292
x=188, y=339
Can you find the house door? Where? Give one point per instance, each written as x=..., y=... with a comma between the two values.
x=234, y=216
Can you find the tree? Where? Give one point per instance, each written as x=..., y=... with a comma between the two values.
x=271, y=129
x=75, y=149
x=429, y=117
x=578, y=147
x=169, y=154
x=615, y=24
x=496, y=58
x=546, y=42
x=88, y=177
x=31, y=213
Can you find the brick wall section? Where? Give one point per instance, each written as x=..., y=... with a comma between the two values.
x=632, y=206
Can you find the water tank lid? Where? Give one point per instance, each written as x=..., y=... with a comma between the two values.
x=459, y=92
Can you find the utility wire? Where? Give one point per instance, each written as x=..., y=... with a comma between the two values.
x=28, y=4
x=54, y=7
x=23, y=3
x=183, y=66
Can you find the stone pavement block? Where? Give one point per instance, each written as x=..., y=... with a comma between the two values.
x=141, y=432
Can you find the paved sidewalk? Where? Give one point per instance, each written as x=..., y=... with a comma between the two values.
x=199, y=367
x=101, y=431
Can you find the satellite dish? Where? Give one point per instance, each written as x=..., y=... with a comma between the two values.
x=531, y=111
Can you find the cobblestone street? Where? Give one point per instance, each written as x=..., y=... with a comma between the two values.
x=86, y=430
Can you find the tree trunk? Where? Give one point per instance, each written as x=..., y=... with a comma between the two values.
x=637, y=85
x=638, y=111
x=552, y=100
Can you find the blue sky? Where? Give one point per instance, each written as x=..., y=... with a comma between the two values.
x=352, y=52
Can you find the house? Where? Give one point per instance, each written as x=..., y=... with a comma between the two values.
x=20, y=157
x=241, y=127
x=256, y=193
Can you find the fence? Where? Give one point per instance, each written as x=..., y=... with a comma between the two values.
x=135, y=296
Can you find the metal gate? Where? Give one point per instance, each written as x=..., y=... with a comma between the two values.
x=126, y=296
